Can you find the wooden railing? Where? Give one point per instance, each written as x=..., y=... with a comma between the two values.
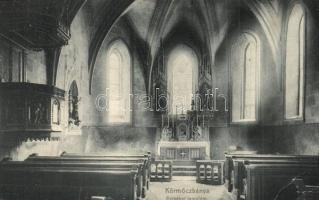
x=210, y=171
x=161, y=170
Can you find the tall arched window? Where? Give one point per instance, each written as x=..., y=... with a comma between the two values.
x=295, y=58
x=245, y=79
x=182, y=78
x=118, y=83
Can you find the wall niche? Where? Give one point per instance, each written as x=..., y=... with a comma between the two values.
x=74, y=121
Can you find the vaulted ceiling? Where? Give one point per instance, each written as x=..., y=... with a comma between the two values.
x=156, y=20
x=203, y=21
x=141, y=13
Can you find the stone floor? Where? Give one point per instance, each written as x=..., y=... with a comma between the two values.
x=185, y=188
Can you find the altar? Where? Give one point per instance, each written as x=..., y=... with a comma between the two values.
x=184, y=137
x=185, y=150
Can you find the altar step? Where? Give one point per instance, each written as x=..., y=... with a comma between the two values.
x=184, y=168
x=184, y=163
x=185, y=173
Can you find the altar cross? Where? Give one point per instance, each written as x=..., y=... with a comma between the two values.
x=183, y=154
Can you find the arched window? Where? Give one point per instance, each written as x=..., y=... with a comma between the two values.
x=118, y=83
x=295, y=58
x=182, y=78
x=245, y=80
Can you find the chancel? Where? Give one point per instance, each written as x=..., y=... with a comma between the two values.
x=186, y=138
x=159, y=99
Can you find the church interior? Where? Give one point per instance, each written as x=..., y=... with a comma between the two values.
x=159, y=99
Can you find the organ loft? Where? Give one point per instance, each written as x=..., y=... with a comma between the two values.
x=159, y=99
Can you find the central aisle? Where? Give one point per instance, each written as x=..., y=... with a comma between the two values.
x=186, y=188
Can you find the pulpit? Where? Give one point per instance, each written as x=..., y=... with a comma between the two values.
x=33, y=111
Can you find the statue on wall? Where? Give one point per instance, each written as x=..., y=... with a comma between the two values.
x=37, y=114
x=55, y=112
x=74, y=113
x=167, y=134
x=74, y=105
x=196, y=133
x=205, y=93
x=182, y=131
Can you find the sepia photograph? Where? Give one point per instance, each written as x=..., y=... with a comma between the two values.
x=159, y=100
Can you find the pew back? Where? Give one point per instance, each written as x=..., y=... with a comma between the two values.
x=101, y=160
x=239, y=172
x=263, y=181
x=234, y=163
x=53, y=183
x=112, y=165
x=145, y=157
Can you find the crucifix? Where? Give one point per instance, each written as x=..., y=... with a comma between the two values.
x=183, y=154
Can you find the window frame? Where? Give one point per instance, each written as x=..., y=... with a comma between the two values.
x=301, y=117
x=170, y=70
x=109, y=50
x=257, y=78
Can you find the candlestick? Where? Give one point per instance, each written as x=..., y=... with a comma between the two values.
x=197, y=119
x=182, y=109
x=173, y=122
x=162, y=120
x=163, y=53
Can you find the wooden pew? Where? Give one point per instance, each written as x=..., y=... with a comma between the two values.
x=210, y=172
x=115, y=156
x=141, y=177
x=239, y=171
x=21, y=181
x=228, y=167
x=146, y=158
x=234, y=163
x=263, y=179
x=95, y=165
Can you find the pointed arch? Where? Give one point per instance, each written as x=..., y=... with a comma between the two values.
x=295, y=63
x=245, y=64
x=118, y=89
x=182, y=68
